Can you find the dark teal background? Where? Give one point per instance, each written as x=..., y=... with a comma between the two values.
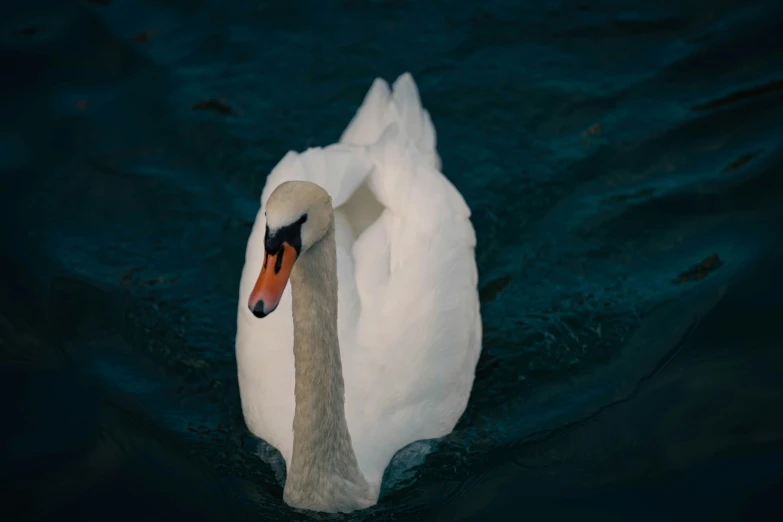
x=604, y=148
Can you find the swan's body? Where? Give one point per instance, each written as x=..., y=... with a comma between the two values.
x=401, y=246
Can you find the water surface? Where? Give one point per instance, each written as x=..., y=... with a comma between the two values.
x=604, y=151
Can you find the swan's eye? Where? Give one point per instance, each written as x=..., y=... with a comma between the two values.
x=291, y=234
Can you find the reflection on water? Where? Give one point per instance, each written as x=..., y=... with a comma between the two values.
x=623, y=167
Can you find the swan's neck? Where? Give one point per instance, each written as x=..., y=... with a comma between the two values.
x=323, y=474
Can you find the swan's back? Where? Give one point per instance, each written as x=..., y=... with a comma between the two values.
x=409, y=323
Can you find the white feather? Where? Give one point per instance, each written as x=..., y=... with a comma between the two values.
x=408, y=319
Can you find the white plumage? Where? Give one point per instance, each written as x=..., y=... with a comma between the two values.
x=408, y=315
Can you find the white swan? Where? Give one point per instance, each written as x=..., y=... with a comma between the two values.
x=379, y=248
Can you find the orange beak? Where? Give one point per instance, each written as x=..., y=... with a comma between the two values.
x=271, y=282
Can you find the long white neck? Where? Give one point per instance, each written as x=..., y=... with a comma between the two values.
x=323, y=474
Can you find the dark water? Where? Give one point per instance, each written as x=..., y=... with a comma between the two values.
x=604, y=150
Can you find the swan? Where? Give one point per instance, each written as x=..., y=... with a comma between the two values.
x=358, y=325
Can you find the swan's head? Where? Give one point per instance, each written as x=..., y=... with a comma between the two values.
x=298, y=215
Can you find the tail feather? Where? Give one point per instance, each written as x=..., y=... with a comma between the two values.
x=401, y=105
x=413, y=119
x=370, y=120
